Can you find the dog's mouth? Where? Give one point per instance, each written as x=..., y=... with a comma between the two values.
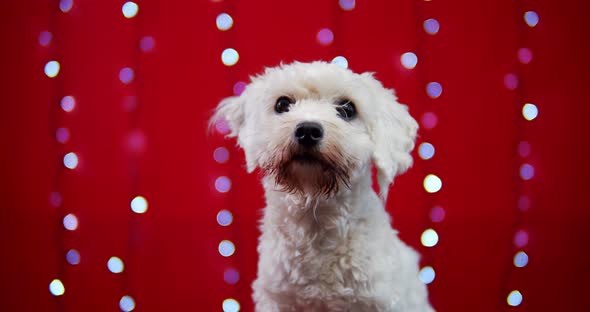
x=305, y=159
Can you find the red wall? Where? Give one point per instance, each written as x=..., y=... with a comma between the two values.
x=170, y=252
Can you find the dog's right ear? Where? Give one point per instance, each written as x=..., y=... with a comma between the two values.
x=232, y=111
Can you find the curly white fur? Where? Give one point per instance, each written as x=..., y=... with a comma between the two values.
x=332, y=250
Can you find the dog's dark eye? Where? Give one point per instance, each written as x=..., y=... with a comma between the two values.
x=283, y=103
x=346, y=109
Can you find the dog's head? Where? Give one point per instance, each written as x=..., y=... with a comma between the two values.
x=311, y=126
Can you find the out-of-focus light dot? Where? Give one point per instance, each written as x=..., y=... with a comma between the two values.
x=44, y=38
x=347, y=5
x=56, y=287
x=55, y=199
x=222, y=184
x=129, y=103
x=68, y=103
x=409, y=60
x=525, y=55
x=224, y=218
x=66, y=5
x=115, y=265
x=136, y=141
x=431, y=26
x=426, y=150
x=221, y=155
x=226, y=248
x=521, y=238
x=62, y=135
x=427, y=275
x=429, y=238
x=524, y=203
x=239, y=87
x=139, y=204
x=231, y=276
x=514, y=298
x=52, y=69
x=147, y=43
x=524, y=148
x=221, y=126
x=340, y=61
x=229, y=57
x=511, y=81
x=325, y=36
x=130, y=9
x=71, y=160
x=530, y=111
x=230, y=305
x=434, y=89
x=429, y=120
x=224, y=21
x=531, y=18
x=437, y=214
x=521, y=259
x=527, y=172
x=432, y=183
x=73, y=257
x=70, y=222
x=127, y=304
x=126, y=75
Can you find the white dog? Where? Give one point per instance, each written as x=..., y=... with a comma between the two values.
x=314, y=129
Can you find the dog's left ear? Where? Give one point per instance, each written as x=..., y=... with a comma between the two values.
x=393, y=132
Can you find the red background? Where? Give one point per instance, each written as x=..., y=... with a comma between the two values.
x=170, y=252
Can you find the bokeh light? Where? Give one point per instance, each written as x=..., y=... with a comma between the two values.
x=126, y=75
x=226, y=248
x=68, y=103
x=511, y=81
x=514, y=298
x=73, y=257
x=521, y=259
x=432, y=183
x=224, y=218
x=325, y=36
x=434, y=89
x=427, y=275
x=347, y=5
x=223, y=184
x=130, y=9
x=147, y=43
x=431, y=26
x=70, y=222
x=429, y=238
x=525, y=55
x=524, y=148
x=527, y=172
x=521, y=238
x=127, y=304
x=230, y=305
x=437, y=214
x=52, y=69
x=66, y=5
x=531, y=18
x=429, y=120
x=224, y=21
x=55, y=199
x=530, y=111
x=340, y=61
x=44, y=38
x=115, y=265
x=229, y=57
x=56, y=287
x=409, y=60
x=71, y=160
x=139, y=204
x=524, y=203
x=231, y=276
x=221, y=155
x=426, y=150
x=62, y=135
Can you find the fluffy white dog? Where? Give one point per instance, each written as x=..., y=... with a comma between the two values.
x=314, y=129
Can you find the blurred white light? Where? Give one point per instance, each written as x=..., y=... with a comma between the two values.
x=73, y=257
x=139, y=204
x=432, y=183
x=127, y=304
x=224, y=21
x=531, y=18
x=130, y=9
x=514, y=298
x=224, y=218
x=66, y=5
x=409, y=60
x=71, y=160
x=521, y=238
x=147, y=43
x=426, y=150
x=221, y=155
x=70, y=222
x=68, y=103
x=115, y=265
x=340, y=61
x=226, y=248
x=434, y=89
x=44, y=38
x=347, y=5
x=229, y=57
x=429, y=238
x=62, y=135
x=223, y=184
x=126, y=75
x=530, y=111
x=325, y=36
x=527, y=172
x=427, y=275
x=231, y=305
x=231, y=276
x=521, y=259
x=52, y=69
x=431, y=26
x=56, y=287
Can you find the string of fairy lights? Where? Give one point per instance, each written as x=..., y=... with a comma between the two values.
x=512, y=293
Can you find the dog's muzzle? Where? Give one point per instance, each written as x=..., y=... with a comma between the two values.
x=309, y=134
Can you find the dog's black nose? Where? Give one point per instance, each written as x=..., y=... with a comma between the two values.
x=309, y=133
